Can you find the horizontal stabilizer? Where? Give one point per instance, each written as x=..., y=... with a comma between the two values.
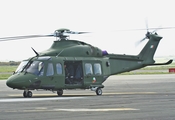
x=169, y=62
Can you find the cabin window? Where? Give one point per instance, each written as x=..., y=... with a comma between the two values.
x=50, y=70
x=88, y=69
x=97, y=69
x=59, y=68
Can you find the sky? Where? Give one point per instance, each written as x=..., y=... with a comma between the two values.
x=102, y=18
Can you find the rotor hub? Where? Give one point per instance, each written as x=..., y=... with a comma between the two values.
x=60, y=33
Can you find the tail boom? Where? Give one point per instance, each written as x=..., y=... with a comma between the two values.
x=125, y=63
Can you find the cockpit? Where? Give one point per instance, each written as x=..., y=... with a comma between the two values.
x=33, y=67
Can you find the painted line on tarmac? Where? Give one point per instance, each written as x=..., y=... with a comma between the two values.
x=34, y=95
x=38, y=99
x=72, y=110
x=53, y=95
x=87, y=94
x=130, y=93
x=96, y=110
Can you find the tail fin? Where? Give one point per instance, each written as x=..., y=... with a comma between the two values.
x=147, y=53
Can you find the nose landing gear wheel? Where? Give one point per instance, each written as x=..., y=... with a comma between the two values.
x=27, y=94
x=60, y=92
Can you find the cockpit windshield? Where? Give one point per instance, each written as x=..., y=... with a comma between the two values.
x=33, y=67
x=21, y=66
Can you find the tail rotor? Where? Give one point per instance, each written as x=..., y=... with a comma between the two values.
x=147, y=35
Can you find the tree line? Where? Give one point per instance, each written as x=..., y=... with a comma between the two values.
x=10, y=63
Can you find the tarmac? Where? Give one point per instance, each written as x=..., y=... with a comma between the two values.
x=125, y=97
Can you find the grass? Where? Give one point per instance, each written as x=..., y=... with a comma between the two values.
x=159, y=67
x=143, y=73
x=6, y=69
x=164, y=69
x=4, y=76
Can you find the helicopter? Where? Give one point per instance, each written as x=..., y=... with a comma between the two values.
x=73, y=64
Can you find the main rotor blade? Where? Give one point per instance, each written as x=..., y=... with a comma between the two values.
x=24, y=37
x=72, y=32
x=147, y=29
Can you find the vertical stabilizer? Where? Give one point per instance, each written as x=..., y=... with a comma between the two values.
x=147, y=53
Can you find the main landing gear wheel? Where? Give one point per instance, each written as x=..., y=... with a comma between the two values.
x=27, y=94
x=99, y=91
x=60, y=92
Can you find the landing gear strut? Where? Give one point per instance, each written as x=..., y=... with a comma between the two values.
x=27, y=93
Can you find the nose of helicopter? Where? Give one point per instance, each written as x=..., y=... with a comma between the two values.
x=9, y=83
x=18, y=81
x=13, y=83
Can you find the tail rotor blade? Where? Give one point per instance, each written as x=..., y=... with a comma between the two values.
x=146, y=22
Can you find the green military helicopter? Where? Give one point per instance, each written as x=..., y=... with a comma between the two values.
x=73, y=64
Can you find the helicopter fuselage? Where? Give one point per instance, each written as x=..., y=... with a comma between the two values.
x=51, y=75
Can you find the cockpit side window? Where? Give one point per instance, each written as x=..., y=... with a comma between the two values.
x=59, y=68
x=50, y=70
x=35, y=67
x=41, y=69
